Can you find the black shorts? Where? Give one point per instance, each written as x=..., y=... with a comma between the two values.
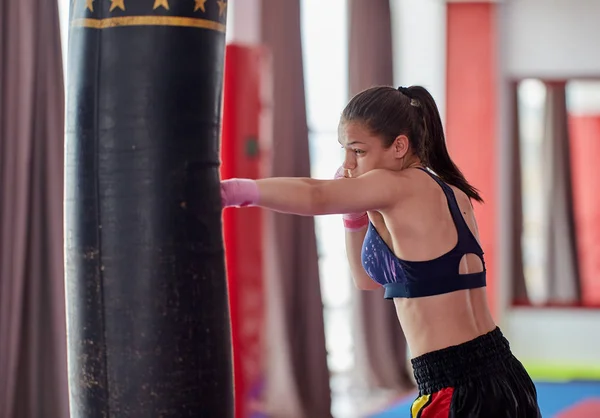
x=479, y=378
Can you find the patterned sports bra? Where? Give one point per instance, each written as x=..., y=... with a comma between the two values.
x=413, y=279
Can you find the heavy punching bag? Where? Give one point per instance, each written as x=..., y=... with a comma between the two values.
x=148, y=317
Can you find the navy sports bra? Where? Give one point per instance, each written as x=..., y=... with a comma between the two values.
x=413, y=279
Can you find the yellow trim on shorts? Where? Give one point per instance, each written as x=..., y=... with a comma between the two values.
x=418, y=405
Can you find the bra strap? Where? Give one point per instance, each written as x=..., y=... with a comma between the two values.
x=459, y=221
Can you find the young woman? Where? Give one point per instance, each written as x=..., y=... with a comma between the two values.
x=410, y=227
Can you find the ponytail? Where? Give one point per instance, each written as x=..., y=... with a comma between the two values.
x=433, y=142
x=389, y=112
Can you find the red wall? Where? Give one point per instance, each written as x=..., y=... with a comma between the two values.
x=471, y=113
x=585, y=149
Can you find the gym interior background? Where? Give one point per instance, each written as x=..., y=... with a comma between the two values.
x=518, y=86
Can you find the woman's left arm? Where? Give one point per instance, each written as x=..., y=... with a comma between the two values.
x=375, y=190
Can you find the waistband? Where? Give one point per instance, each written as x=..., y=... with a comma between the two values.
x=452, y=366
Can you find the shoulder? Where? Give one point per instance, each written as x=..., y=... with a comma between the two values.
x=464, y=201
x=387, y=178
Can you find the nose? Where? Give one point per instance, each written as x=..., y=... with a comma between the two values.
x=349, y=161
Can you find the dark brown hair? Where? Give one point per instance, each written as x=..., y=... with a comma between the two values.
x=388, y=112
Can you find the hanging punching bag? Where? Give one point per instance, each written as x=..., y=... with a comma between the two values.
x=148, y=317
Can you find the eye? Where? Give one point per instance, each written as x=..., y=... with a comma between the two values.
x=358, y=151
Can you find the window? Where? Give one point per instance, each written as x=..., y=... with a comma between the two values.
x=324, y=37
x=583, y=115
x=63, y=16
x=532, y=96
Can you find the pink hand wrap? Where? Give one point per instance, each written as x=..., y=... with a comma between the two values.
x=352, y=221
x=239, y=192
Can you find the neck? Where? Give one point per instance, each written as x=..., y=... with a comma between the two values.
x=412, y=162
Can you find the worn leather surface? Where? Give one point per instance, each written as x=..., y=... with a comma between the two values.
x=148, y=321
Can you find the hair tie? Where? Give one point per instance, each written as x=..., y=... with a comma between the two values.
x=404, y=90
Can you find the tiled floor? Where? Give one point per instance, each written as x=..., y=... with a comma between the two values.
x=556, y=400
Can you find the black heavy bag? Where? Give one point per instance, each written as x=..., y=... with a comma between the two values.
x=148, y=316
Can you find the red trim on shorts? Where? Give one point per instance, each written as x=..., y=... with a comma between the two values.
x=439, y=405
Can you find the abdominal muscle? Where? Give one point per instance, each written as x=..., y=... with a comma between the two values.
x=435, y=322
x=423, y=229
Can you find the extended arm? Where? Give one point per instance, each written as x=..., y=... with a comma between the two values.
x=375, y=190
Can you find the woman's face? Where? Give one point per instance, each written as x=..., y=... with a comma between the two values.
x=365, y=151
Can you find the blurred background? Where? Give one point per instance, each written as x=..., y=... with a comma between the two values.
x=518, y=86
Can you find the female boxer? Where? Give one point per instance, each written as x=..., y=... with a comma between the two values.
x=411, y=229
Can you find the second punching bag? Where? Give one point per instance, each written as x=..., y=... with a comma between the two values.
x=148, y=317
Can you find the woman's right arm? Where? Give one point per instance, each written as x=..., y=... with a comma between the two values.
x=356, y=225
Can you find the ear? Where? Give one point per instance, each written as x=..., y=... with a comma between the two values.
x=400, y=146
